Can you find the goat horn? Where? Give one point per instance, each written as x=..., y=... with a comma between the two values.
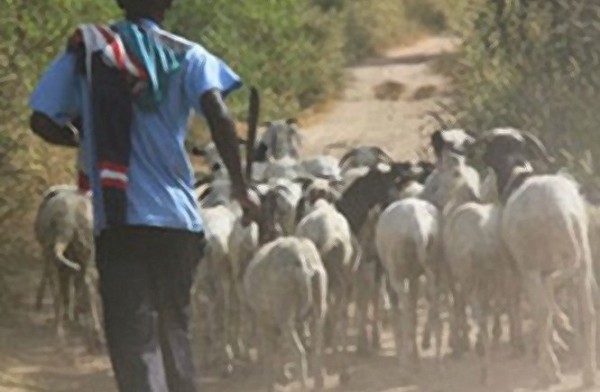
x=481, y=139
x=346, y=157
x=382, y=155
x=537, y=147
x=436, y=116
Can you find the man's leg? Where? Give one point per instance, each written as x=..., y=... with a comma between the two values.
x=130, y=316
x=174, y=274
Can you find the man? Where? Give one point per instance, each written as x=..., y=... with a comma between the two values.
x=128, y=111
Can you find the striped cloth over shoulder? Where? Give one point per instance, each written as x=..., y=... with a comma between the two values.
x=139, y=53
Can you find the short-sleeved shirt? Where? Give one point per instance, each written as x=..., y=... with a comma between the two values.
x=160, y=191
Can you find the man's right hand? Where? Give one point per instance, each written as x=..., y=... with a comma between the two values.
x=44, y=127
x=249, y=202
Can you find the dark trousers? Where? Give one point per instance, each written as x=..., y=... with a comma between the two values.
x=146, y=277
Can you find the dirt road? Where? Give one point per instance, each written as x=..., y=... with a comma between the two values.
x=386, y=105
x=407, y=89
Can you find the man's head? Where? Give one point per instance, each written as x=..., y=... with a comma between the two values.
x=153, y=9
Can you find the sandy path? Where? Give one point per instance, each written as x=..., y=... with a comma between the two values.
x=360, y=118
x=30, y=358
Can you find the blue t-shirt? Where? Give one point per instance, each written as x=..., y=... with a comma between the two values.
x=160, y=190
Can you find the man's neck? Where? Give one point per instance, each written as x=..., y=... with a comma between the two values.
x=151, y=18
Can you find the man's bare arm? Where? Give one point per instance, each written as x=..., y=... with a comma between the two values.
x=44, y=127
x=222, y=129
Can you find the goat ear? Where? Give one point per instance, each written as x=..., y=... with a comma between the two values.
x=437, y=142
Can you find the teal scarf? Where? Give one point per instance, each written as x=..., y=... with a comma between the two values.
x=159, y=61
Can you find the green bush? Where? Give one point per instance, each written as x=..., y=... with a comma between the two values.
x=292, y=50
x=371, y=26
x=533, y=65
x=288, y=49
x=31, y=33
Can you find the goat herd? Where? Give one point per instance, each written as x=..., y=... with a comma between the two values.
x=335, y=240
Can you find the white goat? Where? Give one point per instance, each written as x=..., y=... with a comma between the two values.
x=550, y=257
x=288, y=194
x=330, y=232
x=244, y=243
x=321, y=166
x=63, y=228
x=285, y=167
x=363, y=156
x=407, y=239
x=219, y=222
x=280, y=139
x=441, y=186
x=479, y=270
x=450, y=147
x=357, y=162
x=451, y=184
x=285, y=282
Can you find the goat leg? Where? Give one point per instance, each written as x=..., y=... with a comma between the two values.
x=39, y=297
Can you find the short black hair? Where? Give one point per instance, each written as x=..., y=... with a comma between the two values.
x=144, y=8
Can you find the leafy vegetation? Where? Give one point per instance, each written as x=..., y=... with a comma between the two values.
x=293, y=50
x=532, y=64
x=289, y=48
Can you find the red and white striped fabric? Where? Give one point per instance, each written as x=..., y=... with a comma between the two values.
x=101, y=38
x=113, y=175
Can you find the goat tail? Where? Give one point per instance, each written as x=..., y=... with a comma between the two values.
x=312, y=284
x=305, y=291
x=319, y=294
x=424, y=250
x=582, y=238
x=59, y=250
x=577, y=232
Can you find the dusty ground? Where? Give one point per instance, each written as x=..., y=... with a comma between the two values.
x=397, y=125
x=30, y=358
